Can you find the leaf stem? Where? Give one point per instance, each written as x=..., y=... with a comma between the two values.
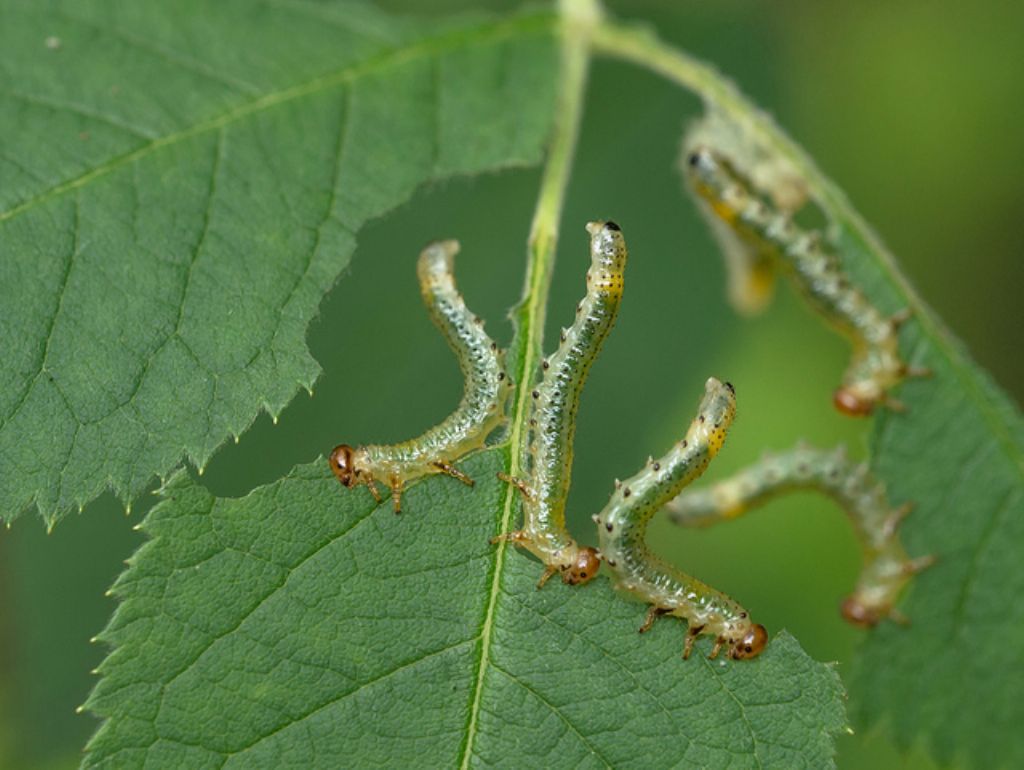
x=578, y=19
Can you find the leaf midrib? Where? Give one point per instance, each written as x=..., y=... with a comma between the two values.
x=425, y=47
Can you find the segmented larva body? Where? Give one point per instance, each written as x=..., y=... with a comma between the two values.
x=477, y=415
x=553, y=421
x=767, y=237
x=887, y=568
x=622, y=525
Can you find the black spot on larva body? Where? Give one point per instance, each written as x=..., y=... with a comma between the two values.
x=694, y=159
x=494, y=346
x=657, y=466
x=685, y=443
x=731, y=388
x=536, y=394
x=544, y=364
x=501, y=376
x=627, y=492
x=612, y=226
x=609, y=526
x=701, y=418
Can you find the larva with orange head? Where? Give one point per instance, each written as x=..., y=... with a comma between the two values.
x=622, y=526
x=756, y=239
x=481, y=410
x=887, y=568
x=553, y=421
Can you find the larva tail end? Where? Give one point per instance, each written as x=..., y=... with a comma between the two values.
x=851, y=404
x=583, y=568
x=751, y=645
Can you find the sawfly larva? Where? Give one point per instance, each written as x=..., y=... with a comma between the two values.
x=622, y=525
x=477, y=415
x=553, y=421
x=756, y=238
x=887, y=568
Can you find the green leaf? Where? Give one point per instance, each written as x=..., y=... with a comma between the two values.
x=304, y=624
x=182, y=183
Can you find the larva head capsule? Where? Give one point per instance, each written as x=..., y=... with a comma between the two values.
x=848, y=402
x=342, y=462
x=752, y=643
x=583, y=567
x=857, y=613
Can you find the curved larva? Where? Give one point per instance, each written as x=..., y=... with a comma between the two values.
x=765, y=237
x=553, y=421
x=477, y=415
x=887, y=568
x=622, y=524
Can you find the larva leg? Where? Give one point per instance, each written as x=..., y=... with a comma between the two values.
x=548, y=572
x=920, y=564
x=653, y=613
x=917, y=371
x=519, y=484
x=893, y=520
x=898, y=617
x=372, y=486
x=396, y=494
x=897, y=319
x=893, y=404
x=454, y=472
x=719, y=641
x=516, y=537
x=691, y=636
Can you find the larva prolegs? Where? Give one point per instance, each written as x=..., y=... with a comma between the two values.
x=622, y=526
x=450, y=470
x=480, y=411
x=887, y=568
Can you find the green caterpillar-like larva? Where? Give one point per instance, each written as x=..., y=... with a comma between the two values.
x=553, y=421
x=477, y=415
x=756, y=238
x=622, y=524
x=887, y=568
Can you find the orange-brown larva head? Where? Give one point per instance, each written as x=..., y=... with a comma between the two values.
x=849, y=403
x=857, y=613
x=752, y=643
x=583, y=568
x=343, y=464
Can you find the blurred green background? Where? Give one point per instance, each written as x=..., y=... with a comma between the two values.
x=908, y=106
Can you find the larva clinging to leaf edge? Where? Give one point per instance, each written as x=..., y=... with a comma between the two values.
x=553, y=416
x=622, y=526
x=756, y=237
x=480, y=411
x=887, y=568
